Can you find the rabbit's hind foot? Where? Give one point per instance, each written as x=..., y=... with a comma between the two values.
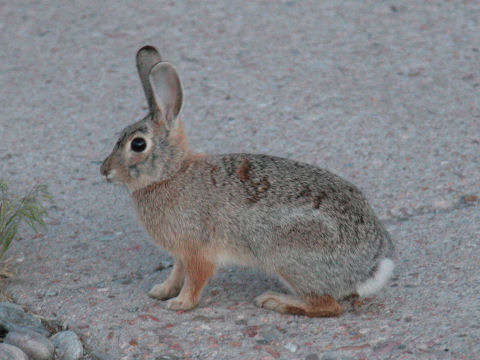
x=318, y=306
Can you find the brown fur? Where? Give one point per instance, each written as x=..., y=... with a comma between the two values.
x=180, y=137
x=253, y=188
x=323, y=306
x=243, y=170
x=213, y=170
x=317, y=202
x=316, y=306
x=256, y=189
x=199, y=268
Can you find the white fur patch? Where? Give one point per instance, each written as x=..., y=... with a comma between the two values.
x=111, y=175
x=225, y=259
x=379, y=279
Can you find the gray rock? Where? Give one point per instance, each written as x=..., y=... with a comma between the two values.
x=67, y=345
x=291, y=347
x=35, y=345
x=312, y=357
x=10, y=352
x=12, y=315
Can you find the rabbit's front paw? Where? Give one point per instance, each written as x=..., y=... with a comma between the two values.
x=164, y=291
x=179, y=303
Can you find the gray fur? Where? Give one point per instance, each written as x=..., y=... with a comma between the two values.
x=310, y=227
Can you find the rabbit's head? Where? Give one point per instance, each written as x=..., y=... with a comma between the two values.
x=155, y=147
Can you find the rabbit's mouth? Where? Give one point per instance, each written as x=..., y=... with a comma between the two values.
x=109, y=176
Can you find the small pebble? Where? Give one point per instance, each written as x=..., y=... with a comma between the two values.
x=10, y=352
x=67, y=345
x=469, y=198
x=271, y=334
x=291, y=347
x=312, y=357
x=36, y=346
x=442, y=204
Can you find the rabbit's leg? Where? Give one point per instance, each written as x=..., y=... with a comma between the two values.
x=172, y=286
x=318, y=306
x=198, y=270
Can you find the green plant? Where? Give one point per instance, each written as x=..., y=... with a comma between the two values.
x=13, y=211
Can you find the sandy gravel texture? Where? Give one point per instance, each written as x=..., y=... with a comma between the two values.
x=383, y=93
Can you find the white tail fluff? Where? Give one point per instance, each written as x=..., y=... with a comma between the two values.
x=379, y=279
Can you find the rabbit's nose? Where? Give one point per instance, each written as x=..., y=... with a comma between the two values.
x=105, y=168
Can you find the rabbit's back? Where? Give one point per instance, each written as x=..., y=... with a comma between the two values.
x=254, y=184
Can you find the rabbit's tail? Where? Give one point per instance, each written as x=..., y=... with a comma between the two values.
x=378, y=280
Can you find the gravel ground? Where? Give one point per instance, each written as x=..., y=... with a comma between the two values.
x=384, y=93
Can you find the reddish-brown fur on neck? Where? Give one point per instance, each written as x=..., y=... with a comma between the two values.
x=180, y=138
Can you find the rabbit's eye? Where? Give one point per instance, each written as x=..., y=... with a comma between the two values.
x=138, y=144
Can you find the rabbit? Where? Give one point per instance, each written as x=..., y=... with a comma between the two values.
x=306, y=225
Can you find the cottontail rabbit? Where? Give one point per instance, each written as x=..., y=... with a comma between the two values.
x=311, y=228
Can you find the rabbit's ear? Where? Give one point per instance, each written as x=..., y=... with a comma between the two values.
x=147, y=57
x=167, y=92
